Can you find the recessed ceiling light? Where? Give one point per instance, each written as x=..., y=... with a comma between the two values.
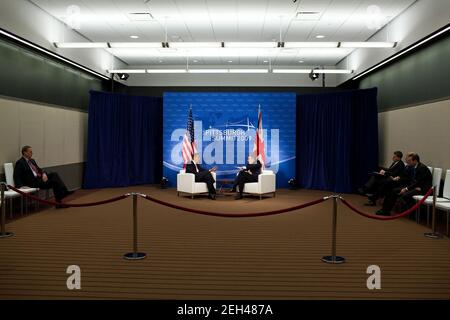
x=320, y=36
x=134, y=37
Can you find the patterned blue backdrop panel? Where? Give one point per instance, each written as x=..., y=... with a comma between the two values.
x=225, y=127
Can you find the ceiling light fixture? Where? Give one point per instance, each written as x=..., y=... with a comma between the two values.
x=135, y=44
x=237, y=45
x=195, y=44
x=311, y=44
x=306, y=71
x=81, y=45
x=248, y=70
x=208, y=71
x=166, y=70
x=127, y=71
x=240, y=70
x=334, y=71
x=251, y=44
x=368, y=44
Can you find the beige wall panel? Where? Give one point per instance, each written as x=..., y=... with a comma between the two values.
x=424, y=129
x=58, y=136
x=54, y=136
x=74, y=137
x=32, y=130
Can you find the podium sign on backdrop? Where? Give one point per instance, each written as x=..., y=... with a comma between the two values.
x=225, y=126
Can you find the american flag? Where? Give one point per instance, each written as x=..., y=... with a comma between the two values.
x=258, y=147
x=189, y=146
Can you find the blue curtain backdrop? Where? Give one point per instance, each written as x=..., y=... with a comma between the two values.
x=124, y=140
x=337, y=139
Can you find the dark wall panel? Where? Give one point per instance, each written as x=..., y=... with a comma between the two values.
x=418, y=78
x=30, y=76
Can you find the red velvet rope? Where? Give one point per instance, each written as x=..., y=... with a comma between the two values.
x=397, y=216
x=54, y=203
x=233, y=215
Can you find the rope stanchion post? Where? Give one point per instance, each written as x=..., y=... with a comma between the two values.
x=135, y=255
x=3, y=233
x=334, y=259
x=433, y=234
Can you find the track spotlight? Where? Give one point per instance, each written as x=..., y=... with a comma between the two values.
x=123, y=76
x=313, y=75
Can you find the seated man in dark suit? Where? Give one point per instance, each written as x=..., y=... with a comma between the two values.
x=202, y=175
x=404, y=179
x=378, y=181
x=420, y=183
x=28, y=174
x=250, y=173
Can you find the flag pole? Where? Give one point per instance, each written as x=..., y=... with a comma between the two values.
x=258, y=133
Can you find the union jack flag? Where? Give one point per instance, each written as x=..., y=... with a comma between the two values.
x=258, y=147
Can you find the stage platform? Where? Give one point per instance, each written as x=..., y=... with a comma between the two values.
x=192, y=256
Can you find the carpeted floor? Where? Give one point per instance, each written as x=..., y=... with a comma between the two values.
x=200, y=257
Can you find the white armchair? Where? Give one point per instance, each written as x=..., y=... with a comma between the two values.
x=186, y=184
x=266, y=184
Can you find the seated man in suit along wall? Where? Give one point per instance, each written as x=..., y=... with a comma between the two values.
x=28, y=174
x=404, y=179
x=250, y=173
x=378, y=181
x=421, y=182
x=202, y=175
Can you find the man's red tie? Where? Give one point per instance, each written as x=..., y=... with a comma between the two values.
x=33, y=167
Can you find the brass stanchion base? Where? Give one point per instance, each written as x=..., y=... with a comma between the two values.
x=433, y=235
x=6, y=235
x=333, y=260
x=134, y=256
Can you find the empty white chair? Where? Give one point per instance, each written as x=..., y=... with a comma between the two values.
x=437, y=176
x=266, y=184
x=445, y=206
x=186, y=184
x=444, y=202
x=10, y=194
